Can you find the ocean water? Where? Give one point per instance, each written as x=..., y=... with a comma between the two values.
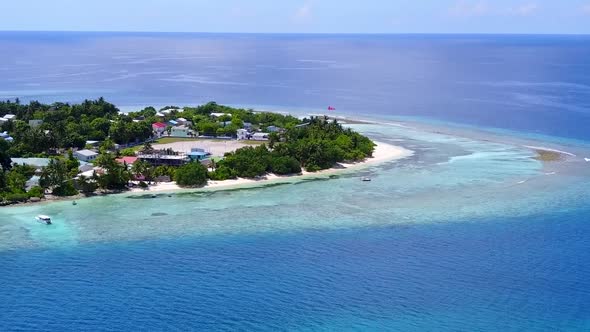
x=470, y=233
x=537, y=84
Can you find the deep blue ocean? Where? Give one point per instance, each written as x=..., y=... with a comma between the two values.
x=328, y=255
x=538, y=84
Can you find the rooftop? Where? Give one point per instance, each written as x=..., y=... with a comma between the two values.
x=86, y=153
x=35, y=162
x=127, y=160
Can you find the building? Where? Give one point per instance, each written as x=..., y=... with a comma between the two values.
x=128, y=160
x=160, y=157
x=93, y=143
x=273, y=129
x=9, y=117
x=243, y=134
x=198, y=154
x=85, y=155
x=159, y=128
x=247, y=125
x=260, y=136
x=35, y=123
x=6, y=137
x=181, y=131
x=37, y=163
x=216, y=115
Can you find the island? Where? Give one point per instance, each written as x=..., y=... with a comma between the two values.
x=68, y=150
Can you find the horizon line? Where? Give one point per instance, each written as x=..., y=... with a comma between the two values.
x=301, y=33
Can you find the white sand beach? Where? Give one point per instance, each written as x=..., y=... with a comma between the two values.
x=383, y=153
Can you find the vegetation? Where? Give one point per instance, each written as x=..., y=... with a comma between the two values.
x=318, y=145
x=310, y=144
x=193, y=174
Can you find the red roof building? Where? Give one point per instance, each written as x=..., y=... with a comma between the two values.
x=127, y=160
x=159, y=127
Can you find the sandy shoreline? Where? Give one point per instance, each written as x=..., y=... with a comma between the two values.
x=383, y=152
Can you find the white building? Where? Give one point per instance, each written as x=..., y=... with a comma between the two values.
x=180, y=131
x=9, y=117
x=242, y=134
x=260, y=136
x=216, y=115
x=85, y=155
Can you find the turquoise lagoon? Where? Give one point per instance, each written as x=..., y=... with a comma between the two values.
x=468, y=233
x=448, y=179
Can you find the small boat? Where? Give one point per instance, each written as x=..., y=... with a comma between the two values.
x=74, y=203
x=365, y=179
x=43, y=219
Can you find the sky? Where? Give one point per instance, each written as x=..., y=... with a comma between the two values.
x=300, y=16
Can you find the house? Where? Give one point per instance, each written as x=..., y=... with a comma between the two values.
x=216, y=115
x=160, y=114
x=247, y=125
x=37, y=163
x=35, y=123
x=260, y=136
x=85, y=155
x=128, y=160
x=243, y=134
x=159, y=128
x=9, y=117
x=181, y=121
x=161, y=157
x=93, y=143
x=273, y=129
x=181, y=131
x=198, y=154
x=173, y=123
x=85, y=167
x=6, y=137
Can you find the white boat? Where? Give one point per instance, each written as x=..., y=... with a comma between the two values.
x=43, y=219
x=364, y=178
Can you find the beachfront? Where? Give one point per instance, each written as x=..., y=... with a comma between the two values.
x=383, y=153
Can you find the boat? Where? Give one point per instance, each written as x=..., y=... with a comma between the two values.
x=43, y=219
x=74, y=203
x=366, y=179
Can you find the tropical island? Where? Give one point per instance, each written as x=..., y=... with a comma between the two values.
x=63, y=150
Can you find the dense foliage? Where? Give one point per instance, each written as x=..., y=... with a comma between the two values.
x=319, y=144
x=294, y=144
x=67, y=126
x=193, y=174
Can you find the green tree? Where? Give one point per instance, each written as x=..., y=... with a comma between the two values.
x=56, y=177
x=193, y=174
x=5, y=161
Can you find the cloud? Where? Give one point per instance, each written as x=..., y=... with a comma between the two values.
x=304, y=12
x=469, y=9
x=524, y=10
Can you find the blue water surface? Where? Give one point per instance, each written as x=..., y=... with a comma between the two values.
x=505, y=275
x=464, y=235
x=537, y=84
